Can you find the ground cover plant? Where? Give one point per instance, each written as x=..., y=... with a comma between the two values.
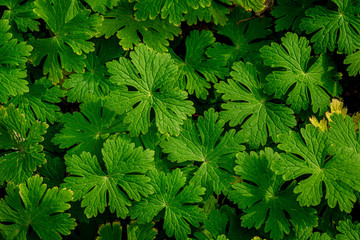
x=180, y=119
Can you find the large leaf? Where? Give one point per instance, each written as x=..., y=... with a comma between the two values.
x=71, y=29
x=204, y=143
x=334, y=29
x=248, y=105
x=262, y=198
x=180, y=203
x=307, y=157
x=88, y=129
x=148, y=77
x=305, y=83
x=32, y=204
x=121, y=180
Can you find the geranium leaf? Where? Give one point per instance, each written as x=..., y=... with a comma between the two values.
x=122, y=179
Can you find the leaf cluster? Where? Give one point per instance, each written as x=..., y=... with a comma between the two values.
x=179, y=119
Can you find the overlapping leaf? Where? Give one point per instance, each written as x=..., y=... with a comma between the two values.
x=179, y=201
x=20, y=15
x=151, y=75
x=289, y=14
x=196, y=71
x=71, y=29
x=13, y=56
x=153, y=32
x=88, y=129
x=246, y=38
x=39, y=102
x=94, y=82
x=19, y=141
x=307, y=156
x=204, y=143
x=334, y=29
x=122, y=179
x=174, y=9
x=304, y=84
x=261, y=197
x=32, y=204
x=248, y=105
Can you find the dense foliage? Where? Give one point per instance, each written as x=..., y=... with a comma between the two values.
x=179, y=119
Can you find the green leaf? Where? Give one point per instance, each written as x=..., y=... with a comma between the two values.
x=94, y=82
x=196, y=71
x=20, y=15
x=138, y=231
x=174, y=9
x=88, y=129
x=354, y=61
x=153, y=32
x=110, y=231
x=215, y=13
x=214, y=226
x=261, y=197
x=71, y=29
x=102, y=5
x=342, y=133
x=203, y=142
x=334, y=29
x=121, y=180
x=53, y=171
x=289, y=14
x=135, y=231
x=19, y=140
x=152, y=91
x=251, y=5
x=32, y=204
x=246, y=38
x=13, y=56
x=246, y=100
x=307, y=157
x=308, y=84
x=348, y=230
x=39, y=102
x=179, y=201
